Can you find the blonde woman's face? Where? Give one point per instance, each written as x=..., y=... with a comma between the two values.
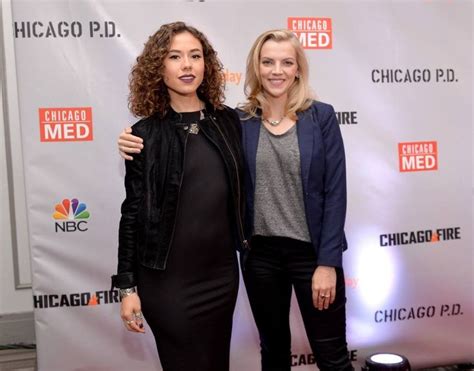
x=184, y=66
x=278, y=68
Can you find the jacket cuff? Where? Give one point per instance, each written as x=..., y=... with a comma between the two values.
x=330, y=260
x=123, y=280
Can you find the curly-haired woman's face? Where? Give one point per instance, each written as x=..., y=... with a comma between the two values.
x=184, y=66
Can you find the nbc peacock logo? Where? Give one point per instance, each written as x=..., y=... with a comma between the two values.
x=71, y=216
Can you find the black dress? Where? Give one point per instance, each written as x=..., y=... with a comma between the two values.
x=189, y=305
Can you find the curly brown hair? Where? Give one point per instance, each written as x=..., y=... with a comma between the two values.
x=148, y=92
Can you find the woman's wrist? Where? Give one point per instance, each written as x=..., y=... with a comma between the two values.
x=127, y=292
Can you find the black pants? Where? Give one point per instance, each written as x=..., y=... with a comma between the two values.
x=273, y=266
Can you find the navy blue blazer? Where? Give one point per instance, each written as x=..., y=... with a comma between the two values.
x=323, y=175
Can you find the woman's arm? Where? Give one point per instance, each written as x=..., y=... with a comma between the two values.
x=332, y=241
x=129, y=144
x=127, y=250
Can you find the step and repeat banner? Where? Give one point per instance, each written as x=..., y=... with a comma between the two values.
x=399, y=75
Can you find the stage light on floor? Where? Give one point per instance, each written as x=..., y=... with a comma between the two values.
x=386, y=362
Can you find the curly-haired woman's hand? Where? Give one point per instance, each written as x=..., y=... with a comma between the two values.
x=131, y=313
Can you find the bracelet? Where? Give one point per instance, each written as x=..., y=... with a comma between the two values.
x=127, y=292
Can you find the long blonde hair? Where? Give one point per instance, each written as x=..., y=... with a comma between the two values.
x=299, y=95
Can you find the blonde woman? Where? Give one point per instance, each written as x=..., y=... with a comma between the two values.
x=296, y=206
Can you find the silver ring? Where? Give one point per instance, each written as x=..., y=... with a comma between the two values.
x=139, y=315
x=129, y=322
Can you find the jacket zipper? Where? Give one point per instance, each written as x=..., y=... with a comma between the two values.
x=177, y=202
x=242, y=235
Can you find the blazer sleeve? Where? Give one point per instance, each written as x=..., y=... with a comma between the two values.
x=127, y=249
x=333, y=241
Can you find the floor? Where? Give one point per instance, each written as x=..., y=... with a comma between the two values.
x=25, y=360
x=18, y=360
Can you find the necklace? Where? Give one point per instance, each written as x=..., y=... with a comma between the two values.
x=194, y=127
x=274, y=122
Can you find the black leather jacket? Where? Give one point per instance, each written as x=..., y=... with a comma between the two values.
x=153, y=183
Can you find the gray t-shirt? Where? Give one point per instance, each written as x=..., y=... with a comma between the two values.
x=279, y=206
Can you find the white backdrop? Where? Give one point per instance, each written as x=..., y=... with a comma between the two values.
x=399, y=74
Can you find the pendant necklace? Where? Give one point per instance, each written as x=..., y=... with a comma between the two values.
x=274, y=122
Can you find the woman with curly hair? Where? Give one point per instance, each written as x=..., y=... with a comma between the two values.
x=181, y=218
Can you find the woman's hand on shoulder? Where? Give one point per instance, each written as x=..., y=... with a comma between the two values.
x=129, y=144
x=131, y=313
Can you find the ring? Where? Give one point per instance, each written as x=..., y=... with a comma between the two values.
x=129, y=322
x=138, y=315
x=324, y=296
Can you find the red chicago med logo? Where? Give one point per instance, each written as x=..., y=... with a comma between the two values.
x=66, y=124
x=313, y=33
x=418, y=156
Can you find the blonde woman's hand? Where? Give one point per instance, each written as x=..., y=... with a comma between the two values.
x=131, y=313
x=129, y=144
x=324, y=286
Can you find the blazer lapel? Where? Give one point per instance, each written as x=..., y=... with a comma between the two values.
x=304, y=129
x=251, y=130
